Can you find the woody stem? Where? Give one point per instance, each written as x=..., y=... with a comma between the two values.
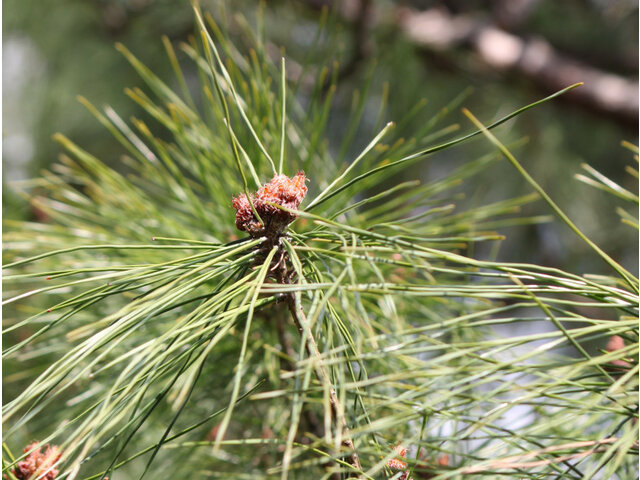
x=337, y=412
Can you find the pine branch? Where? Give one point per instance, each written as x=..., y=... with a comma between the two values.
x=297, y=313
x=126, y=313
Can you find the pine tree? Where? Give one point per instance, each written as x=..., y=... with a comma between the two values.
x=236, y=299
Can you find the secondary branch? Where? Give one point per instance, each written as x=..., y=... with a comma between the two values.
x=321, y=372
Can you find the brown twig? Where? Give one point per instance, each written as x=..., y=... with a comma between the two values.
x=312, y=348
x=517, y=461
x=310, y=417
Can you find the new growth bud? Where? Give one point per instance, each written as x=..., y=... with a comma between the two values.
x=38, y=464
x=281, y=190
x=397, y=464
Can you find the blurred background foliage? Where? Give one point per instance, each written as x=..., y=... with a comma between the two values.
x=54, y=50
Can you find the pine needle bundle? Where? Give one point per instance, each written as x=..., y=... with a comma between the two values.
x=234, y=298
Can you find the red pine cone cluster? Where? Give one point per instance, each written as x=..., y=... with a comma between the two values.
x=427, y=469
x=37, y=463
x=397, y=464
x=281, y=190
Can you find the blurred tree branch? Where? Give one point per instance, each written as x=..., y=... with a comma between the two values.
x=535, y=59
x=437, y=30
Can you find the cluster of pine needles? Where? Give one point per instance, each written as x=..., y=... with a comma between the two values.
x=146, y=335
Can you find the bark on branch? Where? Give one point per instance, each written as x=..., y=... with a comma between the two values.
x=536, y=59
x=321, y=372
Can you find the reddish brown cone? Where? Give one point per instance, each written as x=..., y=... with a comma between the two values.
x=37, y=463
x=281, y=190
